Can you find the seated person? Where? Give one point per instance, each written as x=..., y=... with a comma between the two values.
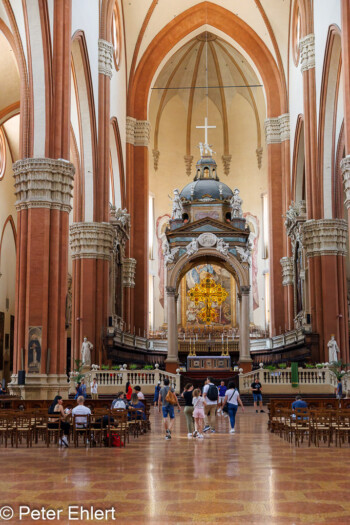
x=140, y=407
x=81, y=410
x=138, y=392
x=299, y=403
x=119, y=402
x=56, y=407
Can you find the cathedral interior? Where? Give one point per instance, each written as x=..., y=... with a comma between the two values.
x=174, y=206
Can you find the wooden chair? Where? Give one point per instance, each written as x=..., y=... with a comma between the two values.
x=81, y=428
x=98, y=428
x=342, y=427
x=120, y=423
x=6, y=428
x=320, y=427
x=23, y=427
x=53, y=428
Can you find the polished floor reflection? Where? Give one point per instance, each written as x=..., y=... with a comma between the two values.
x=249, y=477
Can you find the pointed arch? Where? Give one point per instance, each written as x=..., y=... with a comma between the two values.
x=9, y=221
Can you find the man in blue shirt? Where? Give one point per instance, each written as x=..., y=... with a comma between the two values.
x=222, y=393
x=299, y=403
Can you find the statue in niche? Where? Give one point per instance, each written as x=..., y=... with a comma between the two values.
x=333, y=350
x=86, y=348
x=236, y=204
x=177, y=205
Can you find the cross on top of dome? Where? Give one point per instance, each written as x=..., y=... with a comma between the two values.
x=206, y=148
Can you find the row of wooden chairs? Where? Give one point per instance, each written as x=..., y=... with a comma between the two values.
x=314, y=426
x=28, y=427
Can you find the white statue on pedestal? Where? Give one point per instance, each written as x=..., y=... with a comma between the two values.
x=333, y=350
x=236, y=204
x=86, y=348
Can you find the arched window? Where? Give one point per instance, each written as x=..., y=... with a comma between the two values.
x=116, y=35
x=296, y=30
x=2, y=154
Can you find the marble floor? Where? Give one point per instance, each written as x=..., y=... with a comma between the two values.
x=249, y=477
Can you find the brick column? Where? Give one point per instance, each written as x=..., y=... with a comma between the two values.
x=43, y=188
x=91, y=245
x=325, y=241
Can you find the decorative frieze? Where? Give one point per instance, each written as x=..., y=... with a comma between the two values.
x=43, y=183
x=345, y=167
x=91, y=240
x=105, y=58
x=307, y=52
x=287, y=271
x=142, y=134
x=130, y=130
x=129, y=270
x=325, y=237
x=277, y=129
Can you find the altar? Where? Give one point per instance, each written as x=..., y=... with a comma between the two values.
x=211, y=362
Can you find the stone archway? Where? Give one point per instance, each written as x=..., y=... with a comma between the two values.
x=238, y=269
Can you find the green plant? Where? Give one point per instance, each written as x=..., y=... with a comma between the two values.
x=319, y=365
x=148, y=367
x=104, y=367
x=270, y=367
x=337, y=368
x=308, y=365
x=282, y=365
x=133, y=367
x=116, y=367
x=78, y=368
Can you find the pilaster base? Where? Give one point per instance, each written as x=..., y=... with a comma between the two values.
x=40, y=386
x=246, y=365
x=171, y=366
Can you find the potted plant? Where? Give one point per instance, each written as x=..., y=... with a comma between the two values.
x=148, y=367
x=116, y=367
x=133, y=367
x=282, y=365
x=104, y=367
x=78, y=376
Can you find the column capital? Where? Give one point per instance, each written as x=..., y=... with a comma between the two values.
x=142, y=133
x=325, y=237
x=43, y=183
x=138, y=132
x=129, y=270
x=307, y=52
x=105, y=58
x=277, y=129
x=287, y=271
x=171, y=291
x=245, y=290
x=91, y=240
x=345, y=168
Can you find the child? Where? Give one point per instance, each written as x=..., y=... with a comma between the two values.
x=198, y=412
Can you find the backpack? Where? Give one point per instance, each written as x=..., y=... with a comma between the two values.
x=212, y=393
x=171, y=397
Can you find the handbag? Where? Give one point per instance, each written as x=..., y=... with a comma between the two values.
x=225, y=409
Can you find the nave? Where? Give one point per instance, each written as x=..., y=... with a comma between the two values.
x=250, y=477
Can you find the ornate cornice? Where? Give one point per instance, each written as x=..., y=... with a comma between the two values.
x=129, y=270
x=43, y=183
x=345, y=167
x=91, y=240
x=142, y=134
x=287, y=271
x=105, y=58
x=277, y=129
x=325, y=237
x=307, y=52
x=130, y=130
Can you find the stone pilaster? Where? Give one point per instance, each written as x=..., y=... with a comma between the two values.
x=287, y=271
x=43, y=183
x=129, y=269
x=105, y=58
x=91, y=240
x=277, y=129
x=345, y=167
x=325, y=237
x=307, y=52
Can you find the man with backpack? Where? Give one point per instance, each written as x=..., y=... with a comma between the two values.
x=168, y=399
x=211, y=396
